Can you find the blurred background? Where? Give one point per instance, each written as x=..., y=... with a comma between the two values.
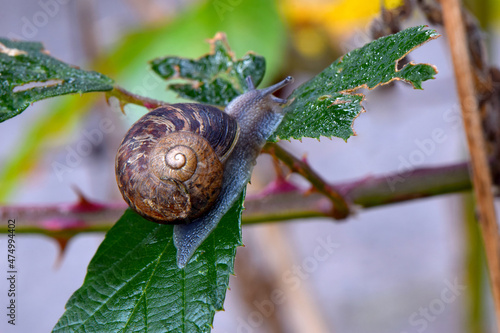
x=402, y=268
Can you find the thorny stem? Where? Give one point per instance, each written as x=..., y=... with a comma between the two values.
x=66, y=220
x=125, y=97
x=340, y=207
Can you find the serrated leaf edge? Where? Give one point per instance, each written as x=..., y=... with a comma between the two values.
x=351, y=92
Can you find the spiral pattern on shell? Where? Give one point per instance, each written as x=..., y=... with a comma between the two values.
x=169, y=167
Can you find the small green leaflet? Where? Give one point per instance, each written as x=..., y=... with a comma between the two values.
x=216, y=78
x=328, y=104
x=133, y=283
x=28, y=74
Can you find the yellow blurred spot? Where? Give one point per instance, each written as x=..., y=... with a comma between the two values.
x=336, y=17
x=495, y=12
x=309, y=42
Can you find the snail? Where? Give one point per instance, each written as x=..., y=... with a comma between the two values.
x=187, y=164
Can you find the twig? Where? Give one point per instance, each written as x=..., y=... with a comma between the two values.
x=300, y=307
x=454, y=26
x=125, y=97
x=86, y=216
x=149, y=11
x=86, y=19
x=256, y=287
x=340, y=207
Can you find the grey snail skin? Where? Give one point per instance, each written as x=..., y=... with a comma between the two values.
x=187, y=164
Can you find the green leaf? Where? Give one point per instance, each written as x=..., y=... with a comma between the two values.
x=328, y=104
x=216, y=78
x=133, y=283
x=28, y=74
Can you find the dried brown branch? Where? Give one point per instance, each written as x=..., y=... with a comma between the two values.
x=453, y=21
x=299, y=307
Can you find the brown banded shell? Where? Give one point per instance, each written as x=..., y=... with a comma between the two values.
x=170, y=164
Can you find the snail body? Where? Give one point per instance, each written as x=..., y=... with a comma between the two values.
x=158, y=178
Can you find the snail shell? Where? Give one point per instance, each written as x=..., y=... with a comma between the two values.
x=170, y=165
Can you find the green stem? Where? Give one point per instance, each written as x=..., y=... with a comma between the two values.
x=126, y=97
x=340, y=207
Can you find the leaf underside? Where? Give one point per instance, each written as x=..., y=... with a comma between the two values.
x=28, y=74
x=216, y=78
x=328, y=104
x=133, y=283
